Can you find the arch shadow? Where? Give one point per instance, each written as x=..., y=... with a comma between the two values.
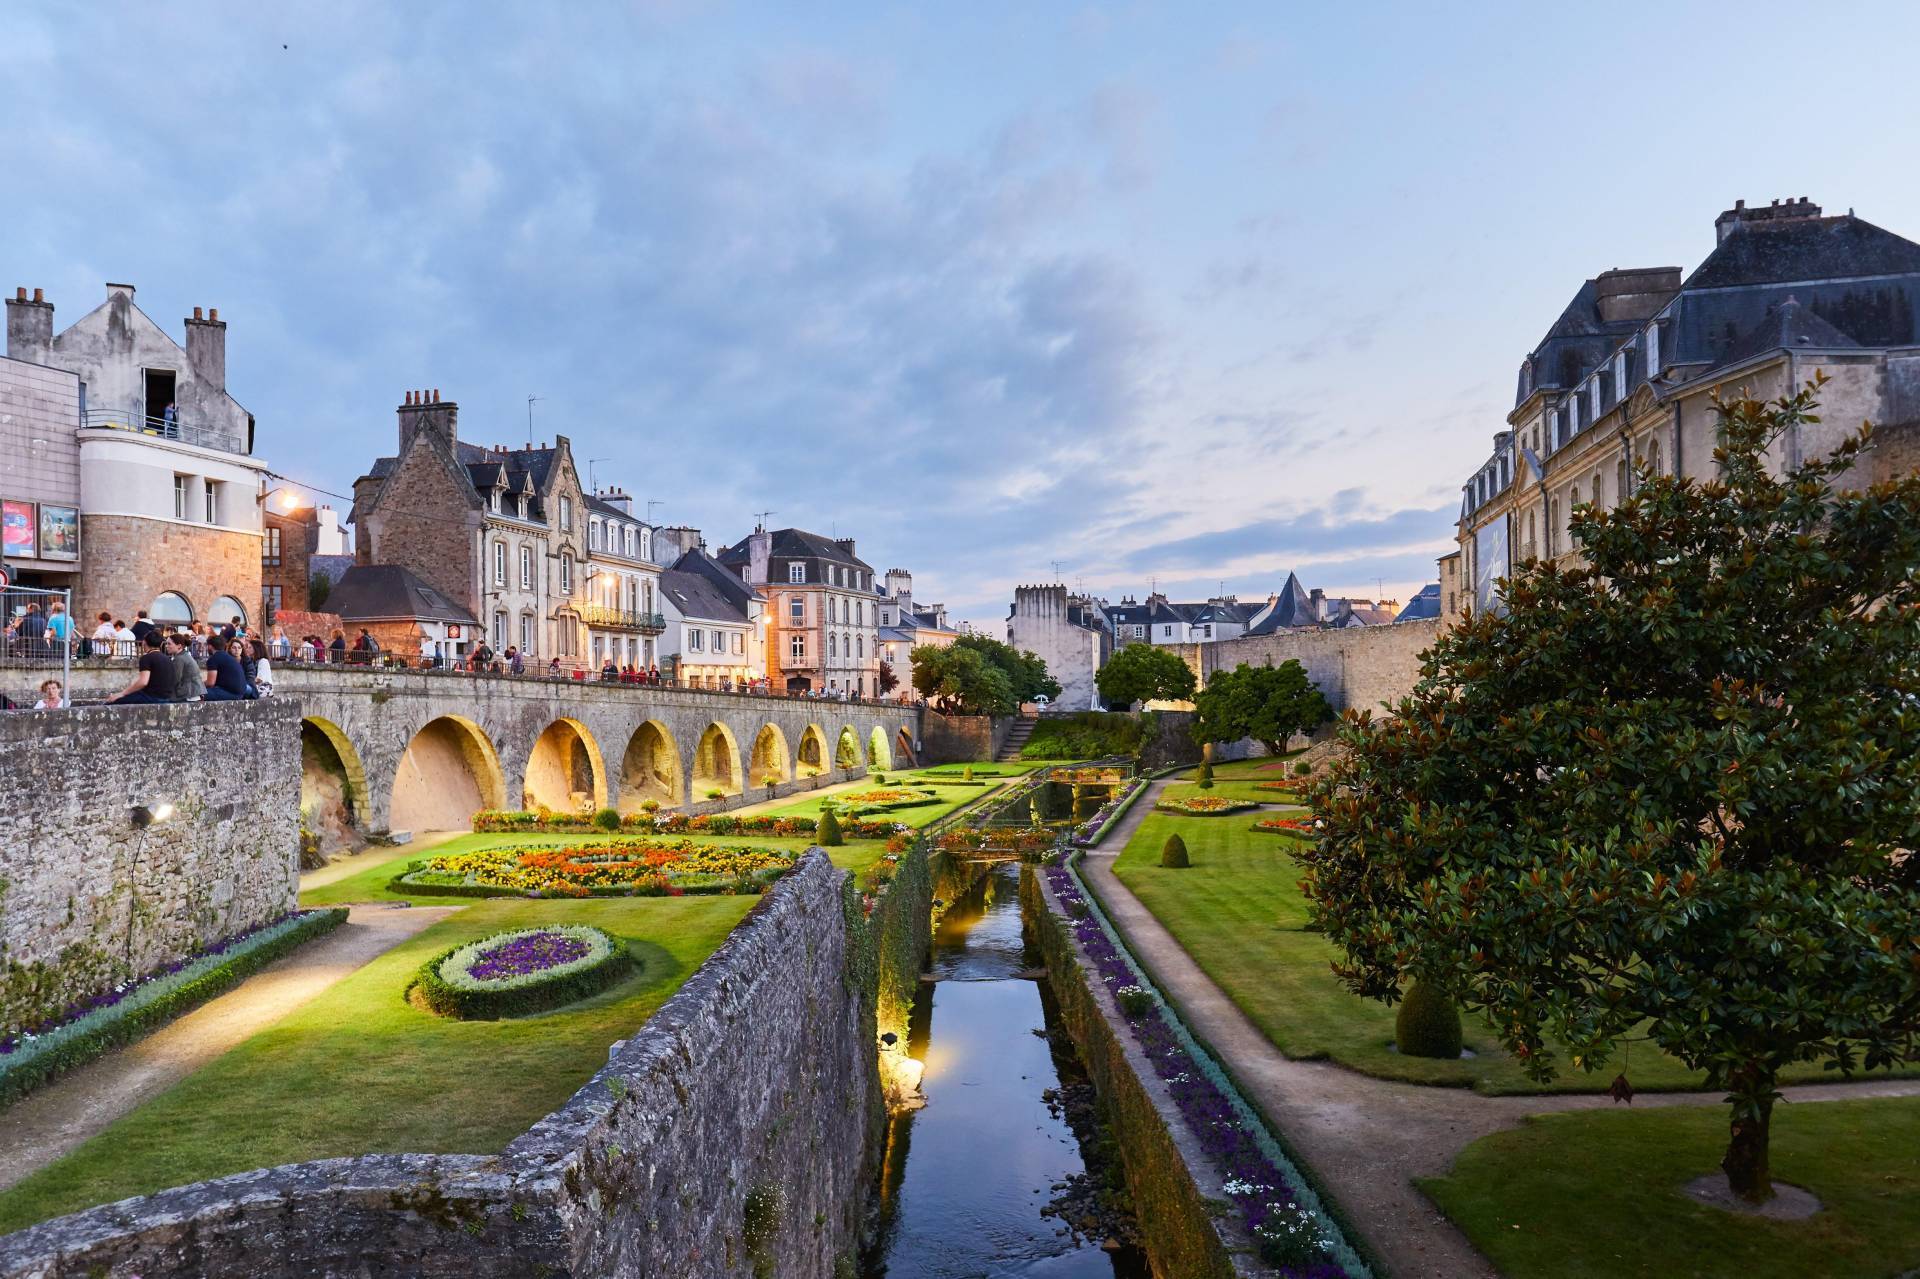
x=650, y=769
x=812, y=759
x=770, y=761
x=716, y=764
x=565, y=771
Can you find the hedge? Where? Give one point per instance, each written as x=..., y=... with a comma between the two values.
x=56, y=1051
x=446, y=999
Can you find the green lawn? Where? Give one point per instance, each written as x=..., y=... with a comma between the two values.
x=1236, y=779
x=359, y=1070
x=370, y=883
x=1238, y=911
x=981, y=771
x=951, y=797
x=1595, y=1195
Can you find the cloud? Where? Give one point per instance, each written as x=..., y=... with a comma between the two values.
x=1337, y=529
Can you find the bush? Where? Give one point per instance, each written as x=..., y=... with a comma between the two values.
x=1134, y=1001
x=607, y=819
x=966, y=774
x=716, y=794
x=1173, y=853
x=827, y=831
x=1087, y=735
x=1427, y=1025
x=448, y=996
x=1303, y=769
x=1204, y=777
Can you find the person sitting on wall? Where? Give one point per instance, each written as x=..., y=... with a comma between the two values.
x=226, y=678
x=153, y=682
x=51, y=698
x=188, y=681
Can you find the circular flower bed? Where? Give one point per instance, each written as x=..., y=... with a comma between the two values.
x=1204, y=806
x=527, y=970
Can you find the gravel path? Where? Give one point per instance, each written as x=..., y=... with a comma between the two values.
x=49, y=1123
x=1365, y=1138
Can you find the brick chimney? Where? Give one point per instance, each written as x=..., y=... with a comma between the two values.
x=207, y=348
x=29, y=327
x=426, y=408
x=844, y=543
x=1763, y=218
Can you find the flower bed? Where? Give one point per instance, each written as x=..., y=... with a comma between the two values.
x=883, y=800
x=525, y=971
x=1204, y=806
x=672, y=823
x=125, y=1013
x=1095, y=828
x=623, y=869
x=1290, y=790
x=1299, y=827
x=1020, y=840
x=1279, y=1210
x=1091, y=776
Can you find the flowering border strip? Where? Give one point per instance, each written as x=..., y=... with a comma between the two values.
x=124, y=1014
x=1097, y=827
x=533, y=993
x=1300, y=1232
x=1219, y=807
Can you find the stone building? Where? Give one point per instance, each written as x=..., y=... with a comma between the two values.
x=288, y=541
x=1069, y=632
x=713, y=624
x=823, y=629
x=906, y=625
x=408, y=617
x=169, y=490
x=1626, y=374
x=499, y=531
x=622, y=605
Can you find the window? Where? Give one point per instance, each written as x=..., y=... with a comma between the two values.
x=719, y=641
x=499, y=563
x=796, y=647
x=494, y=501
x=526, y=634
x=270, y=546
x=270, y=601
x=227, y=609
x=521, y=506
x=526, y=568
x=170, y=606
x=566, y=574
x=1166, y=632
x=566, y=514
x=797, y=608
x=210, y=490
x=833, y=649
x=833, y=608
x=629, y=541
x=696, y=639
x=180, y=498
x=646, y=544
x=796, y=572
x=1653, y=349
x=593, y=534
x=499, y=631
x=860, y=646
x=739, y=644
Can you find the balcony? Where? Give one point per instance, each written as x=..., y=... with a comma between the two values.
x=620, y=619
x=187, y=432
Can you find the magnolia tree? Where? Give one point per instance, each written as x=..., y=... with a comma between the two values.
x=1670, y=793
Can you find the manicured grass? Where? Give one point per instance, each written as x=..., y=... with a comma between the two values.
x=359, y=1070
x=1596, y=1195
x=981, y=771
x=1236, y=779
x=951, y=797
x=1238, y=911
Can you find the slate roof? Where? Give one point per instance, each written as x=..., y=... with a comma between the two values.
x=1797, y=249
x=369, y=592
x=1788, y=325
x=718, y=576
x=334, y=566
x=1293, y=607
x=698, y=597
x=1423, y=605
x=795, y=544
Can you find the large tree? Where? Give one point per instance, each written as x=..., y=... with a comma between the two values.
x=1026, y=673
x=1267, y=703
x=1670, y=792
x=1144, y=673
x=958, y=681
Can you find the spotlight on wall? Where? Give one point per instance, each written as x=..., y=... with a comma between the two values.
x=889, y=1039
x=145, y=815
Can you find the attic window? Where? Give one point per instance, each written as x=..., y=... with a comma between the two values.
x=495, y=495
x=796, y=572
x=1653, y=349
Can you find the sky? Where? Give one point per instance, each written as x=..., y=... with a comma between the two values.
x=1186, y=296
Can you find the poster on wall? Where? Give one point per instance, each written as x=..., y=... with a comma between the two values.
x=17, y=528
x=59, y=532
x=1490, y=565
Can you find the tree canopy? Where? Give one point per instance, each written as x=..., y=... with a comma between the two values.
x=1144, y=673
x=959, y=681
x=1027, y=676
x=1670, y=792
x=1267, y=703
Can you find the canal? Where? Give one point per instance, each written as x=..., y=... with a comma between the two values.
x=990, y=1178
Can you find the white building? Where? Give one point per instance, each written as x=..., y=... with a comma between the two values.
x=713, y=625
x=621, y=607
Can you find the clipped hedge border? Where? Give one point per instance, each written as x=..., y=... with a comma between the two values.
x=447, y=1000
x=405, y=885
x=24, y=1070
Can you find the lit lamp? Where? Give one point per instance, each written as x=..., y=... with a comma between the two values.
x=145, y=815
x=142, y=817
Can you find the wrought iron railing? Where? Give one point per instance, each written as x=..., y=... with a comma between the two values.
x=197, y=434
x=622, y=619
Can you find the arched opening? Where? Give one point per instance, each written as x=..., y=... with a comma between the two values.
x=768, y=763
x=903, y=749
x=879, y=750
x=228, y=610
x=170, y=607
x=846, y=752
x=813, y=752
x=716, y=764
x=650, y=769
x=564, y=772
x=333, y=787
x=448, y=772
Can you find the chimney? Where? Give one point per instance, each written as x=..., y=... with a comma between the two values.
x=207, y=349
x=844, y=543
x=425, y=408
x=1317, y=598
x=759, y=555
x=1777, y=214
x=29, y=327
x=364, y=489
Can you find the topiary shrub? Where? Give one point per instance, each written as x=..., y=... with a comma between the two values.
x=827, y=832
x=1173, y=853
x=1303, y=769
x=607, y=819
x=966, y=774
x=1204, y=777
x=1427, y=1025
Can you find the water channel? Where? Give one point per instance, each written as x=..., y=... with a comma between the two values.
x=966, y=1179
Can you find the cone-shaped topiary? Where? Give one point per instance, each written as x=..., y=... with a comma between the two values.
x=966, y=774
x=1428, y=1025
x=1204, y=778
x=1173, y=853
x=827, y=833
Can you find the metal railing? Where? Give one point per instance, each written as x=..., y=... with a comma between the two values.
x=36, y=641
x=187, y=432
x=622, y=619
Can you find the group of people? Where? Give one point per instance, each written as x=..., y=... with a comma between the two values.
x=199, y=664
x=611, y=672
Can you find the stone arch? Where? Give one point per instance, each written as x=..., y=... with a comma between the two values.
x=650, y=769
x=903, y=748
x=813, y=750
x=564, y=770
x=333, y=785
x=846, y=750
x=770, y=761
x=716, y=763
x=448, y=772
x=879, y=750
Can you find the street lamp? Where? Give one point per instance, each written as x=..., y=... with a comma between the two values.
x=143, y=818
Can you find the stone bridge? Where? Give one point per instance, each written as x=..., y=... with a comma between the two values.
x=406, y=750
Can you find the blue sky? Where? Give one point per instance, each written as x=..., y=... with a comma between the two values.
x=1165, y=293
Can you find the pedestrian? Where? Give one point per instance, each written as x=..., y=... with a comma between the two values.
x=553, y=669
x=261, y=676
x=170, y=419
x=125, y=643
x=337, y=647
x=51, y=696
x=249, y=664
x=281, y=648
x=59, y=626
x=103, y=637
x=226, y=679
x=153, y=682
x=608, y=672
x=31, y=629
x=309, y=647
x=141, y=626
x=515, y=662
x=188, y=679
x=197, y=641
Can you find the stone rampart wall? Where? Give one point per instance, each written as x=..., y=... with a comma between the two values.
x=86, y=897
x=755, y=1082
x=1359, y=667
x=963, y=739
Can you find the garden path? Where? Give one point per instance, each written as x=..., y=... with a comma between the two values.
x=346, y=865
x=49, y=1123
x=1365, y=1139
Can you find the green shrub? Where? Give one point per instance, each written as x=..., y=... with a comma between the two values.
x=607, y=819
x=1086, y=735
x=1303, y=769
x=1173, y=853
x=1204, y=777
x=449, y=1000
x=966, y=774
x=1134, y=1001
x=1427, y=1025
x=827, y=832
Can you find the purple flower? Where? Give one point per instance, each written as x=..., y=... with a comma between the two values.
x=528, y=953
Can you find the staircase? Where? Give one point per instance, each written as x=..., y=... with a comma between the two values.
x=1016, y=739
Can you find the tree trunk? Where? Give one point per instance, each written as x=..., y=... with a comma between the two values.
x=1748, y=1174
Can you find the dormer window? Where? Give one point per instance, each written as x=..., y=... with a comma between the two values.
x=496, y=501
x=796, y=572
x=1653, y=349
x=523, y=507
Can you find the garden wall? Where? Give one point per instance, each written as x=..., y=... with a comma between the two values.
x=962, y=739
x=1361, y=666
x=733, y=1131
x=1165, y=1168
x=85, y=897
